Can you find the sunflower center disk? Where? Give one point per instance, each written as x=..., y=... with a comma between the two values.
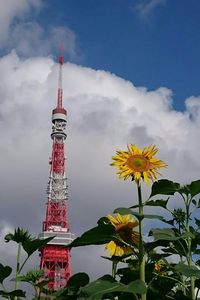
x=138, y=163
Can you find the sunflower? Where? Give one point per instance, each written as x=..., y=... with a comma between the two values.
x=160, y=265
x=124, y=225
x=138, y=163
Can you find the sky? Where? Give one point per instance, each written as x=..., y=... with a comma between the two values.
x=131, y=75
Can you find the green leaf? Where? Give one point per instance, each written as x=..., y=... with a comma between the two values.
x=166, y=234
x=194, y=202
x=103, y=221
x=31, y=276
x=181, y=246
x=30, y=246
x=159, y=202
x=128, y=211
x=197, y=222
x=125, y=211
x=42, y=283
x=73, y=287
x=194, y=188
x=96, y=236
x=178, y=295
x=184, y=189
x=170, y=250
x=187, y=271
x=195, y=241
x=164, y=187
x=5, y=271
x=158, y=243
x=15, y=293
x=20, y=235
x=117, y=259
x=170, y=222
x=197, y=251
x=107, y=285
x=145, y=216
x=78, y=280
x=136, y=287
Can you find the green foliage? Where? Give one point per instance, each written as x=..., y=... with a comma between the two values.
x=187, y=271
x=19, y=236
x=30, y=246
x=194, y=188
x=165, y=279
x=164, y=187
x=98, y=235
x=166, y=234
x=139, y=216
x=107, y=285
x=13, y=294
x=73, y=288
x=159, y=202
x=5, y=271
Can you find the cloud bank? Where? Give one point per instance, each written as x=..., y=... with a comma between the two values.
x=12, y=11
x=105, y=112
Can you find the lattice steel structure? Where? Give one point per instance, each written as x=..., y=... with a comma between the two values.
x=55, y=256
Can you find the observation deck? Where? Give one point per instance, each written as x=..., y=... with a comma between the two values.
x=59, y=114
x=60, y=238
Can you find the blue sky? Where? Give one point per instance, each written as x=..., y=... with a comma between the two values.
x=152, y=43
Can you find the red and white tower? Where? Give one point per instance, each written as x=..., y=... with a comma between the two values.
x=55, y=256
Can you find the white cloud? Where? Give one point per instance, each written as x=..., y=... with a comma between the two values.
x=12, y=9
x=146, y=8
x=193, y=107
x=105, y=113
x=29, y=38
x=6, y=248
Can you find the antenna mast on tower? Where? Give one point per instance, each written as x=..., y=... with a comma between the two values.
x=55, y=256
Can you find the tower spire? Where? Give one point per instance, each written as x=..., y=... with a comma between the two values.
x=60, y=89
x=55, y=256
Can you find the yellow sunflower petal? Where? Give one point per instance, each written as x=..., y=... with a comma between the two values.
x=111, y=248
x=112, y=220
x=145, y=176
x=124, y=225
x=138, y=163
x=119, y=218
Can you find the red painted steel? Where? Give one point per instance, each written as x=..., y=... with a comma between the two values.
x=58, y=158
x=56, y=263
x=56, y=215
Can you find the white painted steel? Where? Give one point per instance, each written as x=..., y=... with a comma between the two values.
x=61, y=238
x=59, y=116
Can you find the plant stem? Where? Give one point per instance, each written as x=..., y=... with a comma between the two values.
x=114, y=268
x=141, y=246
x=18, y=266
x=192, y=279
x=189, y=256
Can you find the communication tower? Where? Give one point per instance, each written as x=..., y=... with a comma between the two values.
x=55, y=256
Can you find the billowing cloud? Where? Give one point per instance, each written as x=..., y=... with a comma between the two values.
x=12, y=10
x=105, y=113
x=28, y=37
